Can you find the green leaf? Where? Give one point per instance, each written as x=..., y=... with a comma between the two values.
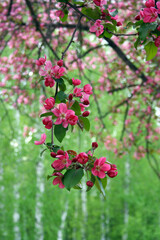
x=65, y=16
x=107, y=34
x=72, y=177
x=47, y=114
x=59, y=80
x=138, y=41
x=49, y=176
x=138, y=23
x=75, y=107
x=92, y=13
x=69, y=80
x=110, y=27
x=85, y=123
x=43, y=152
x=77, y=187
x=61, y=96
x=104, y=182
x=59, y=132
x=80, y=2
x=145, y=29
x=99, y=186
x=151, y=50
x=55, y=148
x=114, y=13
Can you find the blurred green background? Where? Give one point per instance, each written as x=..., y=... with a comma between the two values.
x=31, y=208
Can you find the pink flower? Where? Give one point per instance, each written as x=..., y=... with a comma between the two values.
x=58, y=71
x=60, y=113
x=49, y=103
x=47, y=122
x=64, y=115
x=113, y=171
x=82, y=158
x=76, y=82
x=58, y=179
x=100, y=167
x=150, y=3
x=42, y=140
x=157, y=41
x=87, y=89
x=150, y=15
x=62, y=162
x=77, y=92
x=47, y=71
x=97, y=28
x=71, y=117
x=40, y=61
x=158, y=6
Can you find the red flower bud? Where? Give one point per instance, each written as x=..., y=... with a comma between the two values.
x=70, y=97
x=86, y=102
x=60, y=63
x=53, y=154
x=137, y=17
x=85, y=114
x=89, y=184
x=119, y=24
x=94, y=145
x=74, y=159
x=60, y=152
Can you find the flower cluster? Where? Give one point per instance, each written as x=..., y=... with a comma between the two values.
x=70, y=109
x=150, y=13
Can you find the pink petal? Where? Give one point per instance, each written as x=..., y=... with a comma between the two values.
x=42, y=72
x=48, y=65
x=93, y=29
x=58, y=121
x=63, y=108
x=101, y=174
x=56, y=112
x=61, y=185
x=101, y=161
x=56, y=181
x=106, y=167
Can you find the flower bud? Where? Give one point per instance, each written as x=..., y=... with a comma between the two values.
x=74, y=159
x=60, y=63
x=89, y=184
x=86, y=102
x=70, y=97
x=60, y=152
x=53, y=154
x=137, y=17
x=85, y=114
x=119, y=24
x=94, y=145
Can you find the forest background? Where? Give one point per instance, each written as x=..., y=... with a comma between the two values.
x=124, y=119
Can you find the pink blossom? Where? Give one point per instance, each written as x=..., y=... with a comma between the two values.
x=47, y=71
x=85, y=114
x=87, y=89
x=157, y=41
x=113, y=171
x=42, y=140
x=158, y=6
x=47, y=122
x=62, y=162
x=71, y=117
x=64, y=115
x=58, y=179
x=149, y=15
x=77, y=92
x=40, y=61
x=150, y=3
x=58, y=72
x=82, y=107
x=49, y=103
x=97, y=28
x=82, y=158
x=76, y=82
x=100, y=167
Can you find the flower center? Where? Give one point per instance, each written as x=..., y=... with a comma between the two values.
x=63, y=115
x=98, y=168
